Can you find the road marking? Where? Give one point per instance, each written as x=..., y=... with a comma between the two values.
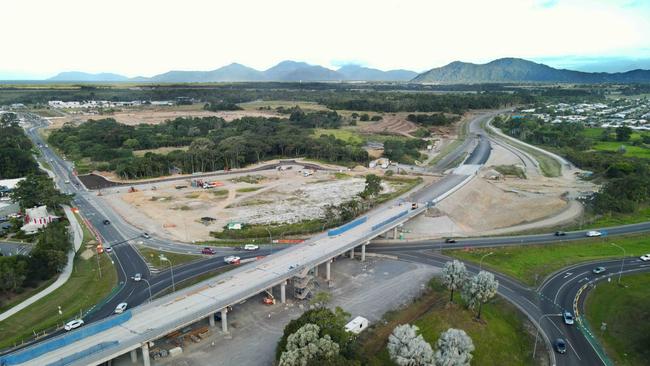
x=568, y=274
x=583, y=279
x=566, y=339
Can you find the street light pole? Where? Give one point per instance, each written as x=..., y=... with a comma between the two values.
x=622, y=261
x=539, y=325
x=148, y=284
x=480, y=263
x=270, y=239
x=171, y=266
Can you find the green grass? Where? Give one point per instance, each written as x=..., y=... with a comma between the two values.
x=511, y=170
x=641, y=215
x=630, y=150
x=348, y=135
x=626, y=310
x=531, y=264
x=248, y=189
x=27, y=293
x=500, y=339
x=250, y=179
x=152, y=257
x=338, y=175
x=401, y=185
x=82, y=291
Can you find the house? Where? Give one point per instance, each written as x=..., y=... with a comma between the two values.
x=37, y=218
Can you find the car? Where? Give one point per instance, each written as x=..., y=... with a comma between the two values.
x=568, y=317
x=645, y=257
x=593, y=233
x=137, y=277
x=67, y=182
x=119, y=309
x=251, y=247
x=560, y=345
x=208, y=250
x=106, y=222
x=231, y=259
x=73, y=324
x=146, y=236
x=108, y=249
x=414, y=206
x=560, y=233
x=599, y=270
x=450, y=240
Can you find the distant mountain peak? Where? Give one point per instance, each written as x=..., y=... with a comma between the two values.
x=517, y=70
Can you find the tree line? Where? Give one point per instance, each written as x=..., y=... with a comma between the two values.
x=435, y=119
x=212, y=144
x=47, y=258
x=16, y=154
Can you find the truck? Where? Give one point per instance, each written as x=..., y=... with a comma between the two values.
x=357, y=325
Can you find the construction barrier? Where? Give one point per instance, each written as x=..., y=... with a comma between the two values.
x=389, y=220
x=50, y=345
x=350, y=225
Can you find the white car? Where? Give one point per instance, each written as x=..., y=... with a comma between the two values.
x=73, y=324
x=146, y=236
x=645, y=257
x=593, y=233
x=251, y=247
x=231, y=259
x=137, y=277
x=108, y=249
x=120, y=308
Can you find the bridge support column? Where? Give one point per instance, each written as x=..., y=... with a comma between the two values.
x=283, y=292
x=328, y=268
x=145, y=354
x=363, y=252
x=134, y=356
x=316, y=270
x=211, y=319
x=224, y=320
x=395, y=232
x=352, y=253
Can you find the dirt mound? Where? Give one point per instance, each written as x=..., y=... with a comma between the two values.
x=392, y=124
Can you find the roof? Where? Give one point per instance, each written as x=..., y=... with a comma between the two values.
x=10, y=183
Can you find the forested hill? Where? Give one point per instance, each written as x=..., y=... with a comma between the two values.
x=515, y=70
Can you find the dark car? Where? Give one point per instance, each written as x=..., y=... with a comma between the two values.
x=450, y=240
x=106, y=222
x=208, y=250
x=560, y=233
x=560, y=345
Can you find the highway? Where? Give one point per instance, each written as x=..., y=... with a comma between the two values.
x=120, y=235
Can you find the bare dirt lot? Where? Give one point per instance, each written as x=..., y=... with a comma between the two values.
x=155, y=115
x=488, y=206
x=391, y=123
x=285, y=196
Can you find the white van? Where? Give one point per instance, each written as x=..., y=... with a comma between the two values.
x=357, y=325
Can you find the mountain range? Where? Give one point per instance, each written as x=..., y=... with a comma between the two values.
x=516, y=70
x=504, y=70
x=284, y=71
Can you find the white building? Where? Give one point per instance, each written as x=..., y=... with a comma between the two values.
x=36, y=218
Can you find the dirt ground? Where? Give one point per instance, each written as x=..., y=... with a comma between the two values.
x=155, y=115
x=285, y=196
x=392, y=123
x=368, y=289
x=491, y=207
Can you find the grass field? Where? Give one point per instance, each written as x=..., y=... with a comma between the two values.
x=305, y=106
x=501, y=339
x=641, y=215
x=630, y=150
x=531, y=264
x=153, y=257
x=82, y=291
x=345, y=134
x=626, y=310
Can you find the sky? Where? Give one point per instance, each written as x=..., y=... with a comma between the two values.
x=148, y=37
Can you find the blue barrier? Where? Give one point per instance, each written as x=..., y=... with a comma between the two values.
x=49, y=345
x=389, y=220
x=350, y=225
x=87, y=352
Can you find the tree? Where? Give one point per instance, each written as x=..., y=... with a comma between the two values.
x=330, y=323
x=321, y=299
x=373, y=186
x=407, y=348
x=131, y=144
x=480, y=289
x=306, y=344
x=364, y=117
x=454, y=275
x=623, y=133
x=454, y=348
